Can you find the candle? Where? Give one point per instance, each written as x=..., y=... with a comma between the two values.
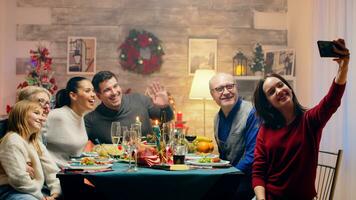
x=137, y=126
x=240, y=70
x=157, y=132
x=179, y=116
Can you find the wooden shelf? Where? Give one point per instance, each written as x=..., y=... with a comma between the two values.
x=247, y=84
x=289, y=78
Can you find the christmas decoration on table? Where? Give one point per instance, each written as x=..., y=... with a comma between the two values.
x=40, y=73
x=141, y=52
x=258, y=61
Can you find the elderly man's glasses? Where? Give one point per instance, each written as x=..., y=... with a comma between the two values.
x=43, y=102
x=221, y=89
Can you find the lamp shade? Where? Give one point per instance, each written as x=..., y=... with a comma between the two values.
x=200, y=86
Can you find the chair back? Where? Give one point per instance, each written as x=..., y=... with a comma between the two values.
x=327, y=172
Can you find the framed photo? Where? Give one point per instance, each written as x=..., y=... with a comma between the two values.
x=280, y=62
x=202, y=54
x=81, y=55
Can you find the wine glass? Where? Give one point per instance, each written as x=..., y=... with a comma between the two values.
x=115, y=132
x=137, y=127
x=130, y=143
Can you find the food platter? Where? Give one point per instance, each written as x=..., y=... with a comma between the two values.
x=90, y=154
x=98, y=160
x=89, y=167
x=194, y=156
x=213, y=164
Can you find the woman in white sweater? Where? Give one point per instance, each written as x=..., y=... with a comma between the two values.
x=21, y=147
x=64, y=131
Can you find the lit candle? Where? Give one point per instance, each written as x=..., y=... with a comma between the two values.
x=137, y=127
x=239, y=70
x=157, y=132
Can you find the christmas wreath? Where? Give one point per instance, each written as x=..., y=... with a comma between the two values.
x=141, y=52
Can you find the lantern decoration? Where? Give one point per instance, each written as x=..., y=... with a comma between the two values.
x=239, y=64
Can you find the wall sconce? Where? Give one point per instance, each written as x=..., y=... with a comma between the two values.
x=239, y=64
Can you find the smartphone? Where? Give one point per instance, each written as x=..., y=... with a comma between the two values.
x=326, y=49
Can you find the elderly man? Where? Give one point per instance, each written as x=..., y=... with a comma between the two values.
x=235, y=129
x=116, y=106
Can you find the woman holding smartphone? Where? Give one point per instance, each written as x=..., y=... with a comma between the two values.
x=287, y=144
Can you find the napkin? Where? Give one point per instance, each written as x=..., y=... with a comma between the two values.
x=149, y=160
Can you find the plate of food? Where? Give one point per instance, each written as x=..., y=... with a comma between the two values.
x=89, y=167
x=90, y=160
x=195, y=156
x=90, y=154
x=214, y=162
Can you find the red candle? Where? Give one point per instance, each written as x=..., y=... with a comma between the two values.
x=179, y=116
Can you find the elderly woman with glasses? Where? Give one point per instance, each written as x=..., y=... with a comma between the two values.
x=235, y=129
x=38, y=94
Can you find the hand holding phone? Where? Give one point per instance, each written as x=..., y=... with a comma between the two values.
x=333, y=49
x=326, y=49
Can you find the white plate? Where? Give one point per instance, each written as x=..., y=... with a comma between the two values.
x=90, y=154
x=89, y=167
x=221, y=163
x=194, y=156
x=104, y=160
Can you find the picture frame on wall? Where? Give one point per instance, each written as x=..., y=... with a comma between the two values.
x=280, y=62
x=81, y=55
x=202, y=54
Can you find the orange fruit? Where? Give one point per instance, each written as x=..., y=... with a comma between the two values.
x=211, y=147
x=203, y=147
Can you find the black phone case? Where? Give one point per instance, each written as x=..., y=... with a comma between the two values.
x=326, y=49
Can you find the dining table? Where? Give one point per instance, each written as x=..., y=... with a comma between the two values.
x=151, y=183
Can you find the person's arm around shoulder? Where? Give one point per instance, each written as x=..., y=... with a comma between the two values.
x=343, y=61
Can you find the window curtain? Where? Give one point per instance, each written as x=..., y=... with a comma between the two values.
x=337, y=19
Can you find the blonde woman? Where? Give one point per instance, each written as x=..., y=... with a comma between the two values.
x=21, y=147
x=37, y=94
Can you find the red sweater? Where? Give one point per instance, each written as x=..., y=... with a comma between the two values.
x=286, y=158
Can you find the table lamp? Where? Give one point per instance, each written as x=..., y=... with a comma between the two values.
x=200, y=87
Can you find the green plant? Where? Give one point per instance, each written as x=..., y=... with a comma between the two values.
x=258, y=61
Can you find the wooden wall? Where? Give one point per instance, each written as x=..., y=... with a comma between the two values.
x=231, y=22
